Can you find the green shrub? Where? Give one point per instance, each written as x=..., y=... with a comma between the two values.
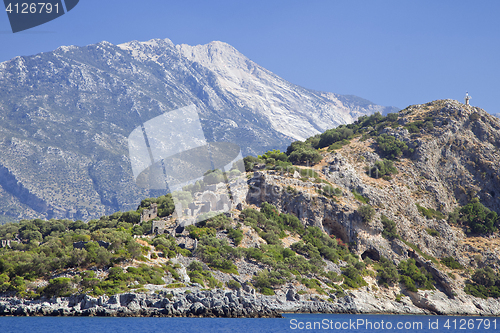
x=195, y=266
x=414, y=127
x=332, y=276
x=313, y=284
x=360, y=197
x=59, y=287
x=300, y=152
x=213, y=177
x=390, y=231
x=165, y=204
x=408, y=282
x=391, y=147
x=198, y=280
x=420, y=277
x=198, y=233
x=366, y=212
x=176, y=285
x=386, y=272
x=478, y=218
x=213, y=282
x=305, y=156
x=250, y=162
x=335, y=135
x=274, y=155
x=432, y=232
x=173, y=272
x=217, y=222
x=217, y=254
x=485, y=277
x=383, y=168
x=236, y=235
x=267, y=291
x=265, y=280
x=430, y=213
x=18, y=284
x=476, y=290
x=392, y=117
x=4, y=282
x=233, y=284
x=353, y=277
x=330, y=191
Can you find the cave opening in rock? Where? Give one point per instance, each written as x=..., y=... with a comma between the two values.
x=335, y=229
x=412, y=254
x=372, y=254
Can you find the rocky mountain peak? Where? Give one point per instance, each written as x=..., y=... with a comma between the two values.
x=215, y=56
x=84, y=102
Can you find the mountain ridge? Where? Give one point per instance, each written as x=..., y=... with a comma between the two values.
x=66, y=115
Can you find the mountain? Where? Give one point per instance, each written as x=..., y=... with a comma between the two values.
x=65, y=117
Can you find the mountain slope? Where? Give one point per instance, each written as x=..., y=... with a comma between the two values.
x=66, y=115
x=439, y=206
x=451, y=157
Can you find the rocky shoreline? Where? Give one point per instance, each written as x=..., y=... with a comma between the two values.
x=242, y=304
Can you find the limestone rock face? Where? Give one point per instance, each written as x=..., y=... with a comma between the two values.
x=234, y=304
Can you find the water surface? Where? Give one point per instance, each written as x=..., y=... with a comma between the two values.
x=291, y=323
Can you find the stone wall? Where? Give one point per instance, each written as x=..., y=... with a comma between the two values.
x=149, y=214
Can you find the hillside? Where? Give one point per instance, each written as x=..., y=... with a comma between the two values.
x=66, y=116
x=391, y=214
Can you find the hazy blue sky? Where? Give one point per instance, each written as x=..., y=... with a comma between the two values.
x=390, y=52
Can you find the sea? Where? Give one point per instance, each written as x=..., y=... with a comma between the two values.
x=290, y=323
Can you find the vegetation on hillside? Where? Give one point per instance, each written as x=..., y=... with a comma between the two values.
x=40, y=249
x=383, y=169
x=485, y=283
x=302, y=258
x=307, y=152
x=476, y=218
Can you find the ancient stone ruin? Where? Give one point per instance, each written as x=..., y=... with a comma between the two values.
x=149, y=213
x=162, y=226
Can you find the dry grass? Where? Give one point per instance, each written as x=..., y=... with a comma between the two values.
x=289, y=240
x=482, y=244
x=143, y=243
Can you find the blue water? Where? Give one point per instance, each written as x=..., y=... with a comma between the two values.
x=291, y=323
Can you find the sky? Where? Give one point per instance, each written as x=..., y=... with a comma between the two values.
x=393, y=53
